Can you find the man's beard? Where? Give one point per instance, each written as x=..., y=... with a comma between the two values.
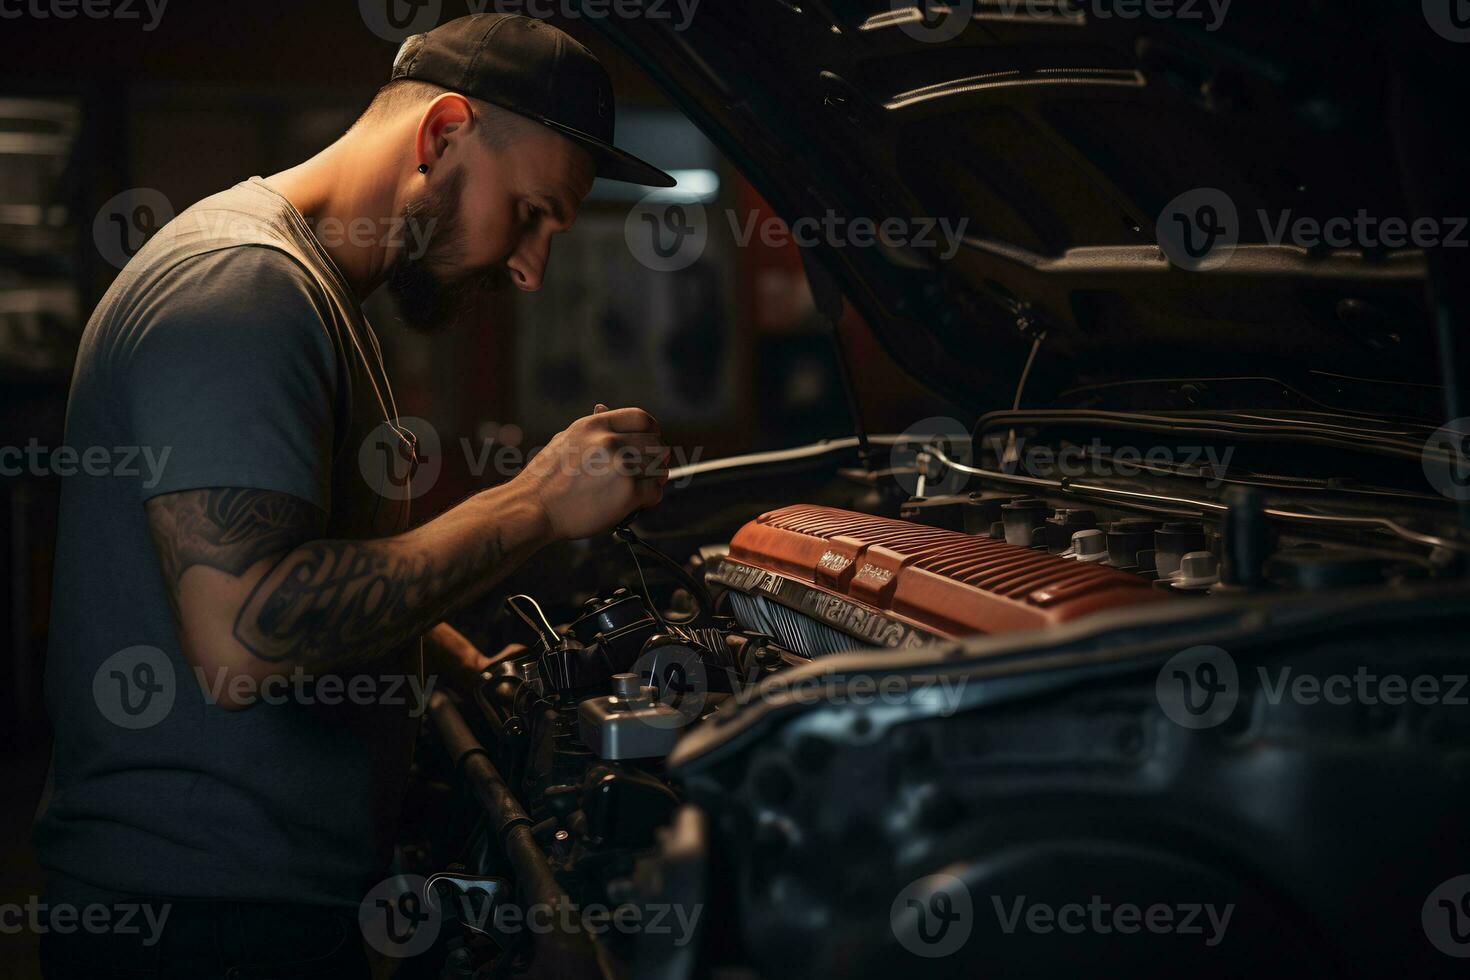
x=427, y=300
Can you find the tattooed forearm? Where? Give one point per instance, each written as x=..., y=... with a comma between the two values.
x=338, y=601
x=290, y=598
x=226, y=529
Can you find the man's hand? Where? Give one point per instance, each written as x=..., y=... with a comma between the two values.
x=258, y=591
x=598, y=471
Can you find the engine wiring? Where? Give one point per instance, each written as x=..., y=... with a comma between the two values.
x=647, y=595
x=624, y=532
x=1196, y=506
x=544, y=629
x=1010, y=451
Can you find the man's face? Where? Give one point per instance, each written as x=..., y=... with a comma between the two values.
x=488, y=222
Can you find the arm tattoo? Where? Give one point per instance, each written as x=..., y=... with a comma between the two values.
x=324, y=603
x=227, y=529
x=339, y=601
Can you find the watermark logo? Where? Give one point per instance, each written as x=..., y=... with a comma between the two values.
x=1446, y=917
x=1449, y=18
x=921, y=475
x=135, y=688
x=1199, y=230
x=1211, y=13
x=933, y=916
x=403, y=232
x=398, y=20
x=150, y=12
x=328, y=690
x=409, y=234
x=401, y=460
x=668, y=235
x=122, y=919
x=680, y=13
x=942, y=236
x=126, y=222
x=1361, y=231
x=664, y=235
x=1364, y=687
x=500, y=452
x=505, y=920
x=933, y=21
x=1206, y=920
x=1446, y=459
x=941, y=692
x=397, y=919
x=1099, y=459
x=1199, y=687
x=678, y=674
x=937, y=21
x=35, y=459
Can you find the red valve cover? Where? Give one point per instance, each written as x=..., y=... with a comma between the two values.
x=945, y=582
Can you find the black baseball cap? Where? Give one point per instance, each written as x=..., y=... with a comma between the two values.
x=535, y=70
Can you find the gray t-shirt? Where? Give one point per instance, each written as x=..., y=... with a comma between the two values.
x=228, y=353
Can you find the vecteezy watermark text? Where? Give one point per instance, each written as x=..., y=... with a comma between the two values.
x=396, y=20
x=668, y=236
x=861, y=690
x=1201, y=229
x=503, y=459
x=1365, y=687
x=913, y=456
x=1362, y=231
x=34, y=459
x=304, y=688
x=401, y=916
x=402, y=460
x=934, y=916
x=678, y=13
x=937, y=21
x=1098, y=459
x=61, y=918
x=130, y=219
x=135, y=688
x=90, y=9
x=566, y=916
x=1105, y=918
x=1201, y=687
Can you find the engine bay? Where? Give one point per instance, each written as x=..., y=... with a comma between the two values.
x=841, y=697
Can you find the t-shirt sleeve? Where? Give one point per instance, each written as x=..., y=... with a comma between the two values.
x=233, y=375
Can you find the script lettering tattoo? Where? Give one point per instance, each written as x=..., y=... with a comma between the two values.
x=226, y=529
x=325, y=603
x=330, y=596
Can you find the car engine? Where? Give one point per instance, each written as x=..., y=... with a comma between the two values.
x=782, y=753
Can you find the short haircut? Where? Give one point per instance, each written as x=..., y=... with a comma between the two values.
x=498, y=127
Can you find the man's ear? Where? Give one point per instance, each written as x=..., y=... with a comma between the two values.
x=448, y=119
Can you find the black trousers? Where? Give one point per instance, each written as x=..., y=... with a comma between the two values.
x=215, y=941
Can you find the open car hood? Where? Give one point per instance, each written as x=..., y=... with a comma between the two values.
x=1061, y=133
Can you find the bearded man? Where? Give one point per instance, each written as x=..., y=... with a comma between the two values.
x=249, y=828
